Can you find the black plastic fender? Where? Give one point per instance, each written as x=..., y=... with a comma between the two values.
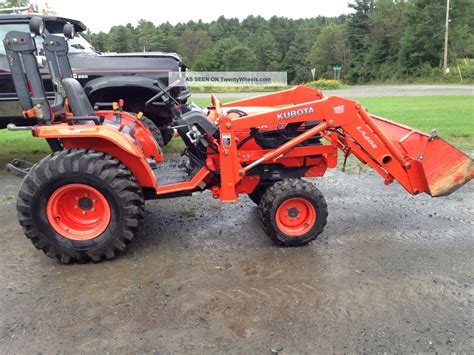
x=120, y=81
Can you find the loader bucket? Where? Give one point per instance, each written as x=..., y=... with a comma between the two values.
x=446, y=168
x=442, y=168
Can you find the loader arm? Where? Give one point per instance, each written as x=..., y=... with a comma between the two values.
x=418, y=161
x=293, y=96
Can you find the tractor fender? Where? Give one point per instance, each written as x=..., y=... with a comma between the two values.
x=128, y=81
x=104, y=139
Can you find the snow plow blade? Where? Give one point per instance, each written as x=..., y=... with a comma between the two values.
x=441, y=168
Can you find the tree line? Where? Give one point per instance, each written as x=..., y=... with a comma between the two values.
x=379, y=40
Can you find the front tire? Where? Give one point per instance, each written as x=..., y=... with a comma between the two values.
x=293, y=212
x=257, y=194
x=80, y=205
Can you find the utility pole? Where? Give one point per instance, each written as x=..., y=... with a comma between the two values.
x=445, y=61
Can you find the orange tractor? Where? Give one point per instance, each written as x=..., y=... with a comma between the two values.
x=85, y=201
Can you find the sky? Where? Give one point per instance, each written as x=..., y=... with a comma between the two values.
x=100, y=15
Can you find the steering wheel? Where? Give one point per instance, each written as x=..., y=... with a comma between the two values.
x=163, y=91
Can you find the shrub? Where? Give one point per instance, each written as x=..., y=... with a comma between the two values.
x=325, y=84
x=468, y=72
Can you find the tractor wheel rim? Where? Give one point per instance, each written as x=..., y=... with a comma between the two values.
x=295, y=216
x=78, y=212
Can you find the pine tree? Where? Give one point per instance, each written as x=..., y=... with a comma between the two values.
x=423, y=38
x=330, y=49
x=266, y=51
x=358, y=31
x=239, y=58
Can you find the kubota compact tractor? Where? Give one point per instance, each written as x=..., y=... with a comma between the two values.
x=85, y=200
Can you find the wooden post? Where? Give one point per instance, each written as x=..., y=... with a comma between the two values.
x=445, y=59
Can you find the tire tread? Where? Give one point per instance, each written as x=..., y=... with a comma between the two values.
x=102, y=165
x=290, y=186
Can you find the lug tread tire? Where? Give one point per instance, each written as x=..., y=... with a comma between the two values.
x=257, y=194
x=94, y=167
x=276, y=194
x=167, y=134
x=154, y=131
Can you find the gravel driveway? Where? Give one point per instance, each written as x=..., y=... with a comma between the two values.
x=390, y=273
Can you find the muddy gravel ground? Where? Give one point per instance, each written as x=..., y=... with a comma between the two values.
x=390, y=273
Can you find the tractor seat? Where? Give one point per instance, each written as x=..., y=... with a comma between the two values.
x=78, y=101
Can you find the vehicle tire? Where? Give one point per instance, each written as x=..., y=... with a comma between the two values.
x=293, y=212
x=151, y=126
x=80, y=205
x=257, y=193
x=167, y=134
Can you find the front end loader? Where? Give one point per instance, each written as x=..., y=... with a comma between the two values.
x=84, y=202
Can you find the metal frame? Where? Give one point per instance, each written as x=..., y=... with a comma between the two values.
x=20, y=48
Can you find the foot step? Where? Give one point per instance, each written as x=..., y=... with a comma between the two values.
x=171, y=172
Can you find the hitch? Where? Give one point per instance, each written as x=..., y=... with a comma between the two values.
x=19, y=168
x=14, y=127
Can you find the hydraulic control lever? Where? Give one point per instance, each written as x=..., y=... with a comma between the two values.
x=163, y=91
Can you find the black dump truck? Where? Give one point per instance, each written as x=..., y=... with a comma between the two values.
x=106, y=77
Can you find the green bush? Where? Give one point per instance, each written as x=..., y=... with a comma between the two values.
x=427, y=74
x=325, y=84
x=467, y=72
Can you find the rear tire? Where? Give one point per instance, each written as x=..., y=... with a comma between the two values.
x=46, y=207
x=293, y=212
x=167, y=134
x=156, y=133
x=131, y=105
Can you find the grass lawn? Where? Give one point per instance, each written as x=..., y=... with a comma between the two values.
x=452, y=116
x=21, y=145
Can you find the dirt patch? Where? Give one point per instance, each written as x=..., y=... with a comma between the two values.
x=390, y=273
